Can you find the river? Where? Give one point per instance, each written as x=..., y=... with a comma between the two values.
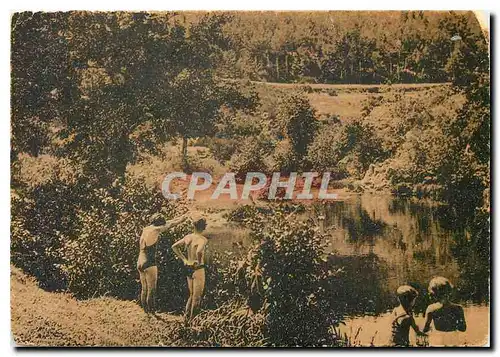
x=379, y=243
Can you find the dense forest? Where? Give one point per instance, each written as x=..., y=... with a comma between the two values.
x=341, y=47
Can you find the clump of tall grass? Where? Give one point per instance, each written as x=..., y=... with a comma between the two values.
x=230, y=325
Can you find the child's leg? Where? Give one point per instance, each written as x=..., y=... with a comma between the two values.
x=198, y=288
x=151, y=279
x=144, y=289
x=190, y=298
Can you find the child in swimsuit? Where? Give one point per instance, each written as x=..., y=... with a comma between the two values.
x=195, y=263
x=402, y=316
x=448, y=317
x=146, y=262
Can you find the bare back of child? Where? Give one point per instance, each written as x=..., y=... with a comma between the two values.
x=447, y=316
x=402, y=318
x=195, y=244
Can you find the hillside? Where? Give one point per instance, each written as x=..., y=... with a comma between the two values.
x=40, y=318
x=386, y=108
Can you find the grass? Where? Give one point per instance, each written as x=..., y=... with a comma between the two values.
x=44, y=319
x=40, y=318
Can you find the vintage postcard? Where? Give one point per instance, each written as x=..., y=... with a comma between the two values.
x=250, y=179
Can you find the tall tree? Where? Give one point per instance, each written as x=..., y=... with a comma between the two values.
x=39, y=78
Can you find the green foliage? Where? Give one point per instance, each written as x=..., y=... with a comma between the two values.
x=250, y=157
x=345, y=149
x=470, y=248
x=464, y=172
x=227, y=326
x=242, y=213
x=86, y=240
x=324, y=152
x=297, y=120
x=97, y=98
x=222, y=149
x=466, y=169
x=41, y=215
x=232, y=129
x=342, y=47
x=284, y=159
x=100, y=256
x=38, y=78
x=290, y=253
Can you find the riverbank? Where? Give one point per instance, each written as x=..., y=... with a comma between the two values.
x=43, y=319
x=40, y=318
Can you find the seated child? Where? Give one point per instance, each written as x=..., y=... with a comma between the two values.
x=403, y=316
x=447, y=316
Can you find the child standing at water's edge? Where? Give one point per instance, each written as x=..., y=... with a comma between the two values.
x=195, y=244
x=146, y=261
x=402, y=317
x=447, y=316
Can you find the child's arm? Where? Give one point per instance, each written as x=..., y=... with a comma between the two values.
x=415, y=327
x=462, y=325
x=428, y=320
x=172, y=223
x=177, y=250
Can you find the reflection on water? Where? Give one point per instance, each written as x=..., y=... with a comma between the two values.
x=382, y=242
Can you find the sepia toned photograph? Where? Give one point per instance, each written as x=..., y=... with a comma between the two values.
x=250, y=179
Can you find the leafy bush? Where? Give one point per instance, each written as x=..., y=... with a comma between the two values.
x=297, y=120
x=41, y=215
x=359, y=148
x=324, y=153
x=291, y=254
x=345, y=150
x=100, y=256
x=222, y=149
x=86, y=240
x=241, y=213
x=284, y=159
x=250, y=157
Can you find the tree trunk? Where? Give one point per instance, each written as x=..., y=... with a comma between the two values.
x=286, y=66
x=359, y=71
x=278, y=68
x=184, y=152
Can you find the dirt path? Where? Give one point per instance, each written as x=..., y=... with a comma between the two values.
x=40, y=318
x=348, y=86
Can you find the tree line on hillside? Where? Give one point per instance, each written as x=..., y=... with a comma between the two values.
x=342, y=47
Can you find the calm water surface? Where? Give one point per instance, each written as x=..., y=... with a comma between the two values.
x=381, y=242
